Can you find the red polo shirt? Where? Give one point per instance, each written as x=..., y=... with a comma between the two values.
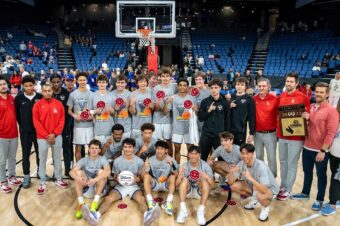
x=8, y=121
x=266, y=112
x=295, y=98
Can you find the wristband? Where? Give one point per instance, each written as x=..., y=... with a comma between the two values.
x=324, y=151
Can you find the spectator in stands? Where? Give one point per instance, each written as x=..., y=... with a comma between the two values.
x=251, y=80
x=317, y=66
x=9, y=36
x=334, y=93
x=29, y=61
x=200, y=61
x=104, y=66
x=15, y=80
x=67, y=42
x=209, y=77
x=23, y=72
x=22, y=46
x=2, y=50
x=231, y=75
x=258, y=76
x=211, y=56
x=121, y=55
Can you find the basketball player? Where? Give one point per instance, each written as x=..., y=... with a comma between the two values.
x=8, y=138
x=141, y=106
x=214, y=112
x=80, y=101
x=24, y=102
x=194, y=180
x=252, y=177
x=145, y=144
x=242, y=112
x=103, y=104
x=127, y=162
x=90, y=172
x=182, y=107
x=160, y=176
x=230, y=154
x=160, y=95
x=62, y=95
x=203, y=92
x=122, y=103
x=49, y=120
x=113, y=146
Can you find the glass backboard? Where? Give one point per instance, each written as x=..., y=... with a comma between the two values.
x=159, y=16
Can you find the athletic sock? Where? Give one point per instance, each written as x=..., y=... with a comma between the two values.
x=170, y=198
x=96, y=198
x=81, y=200
x=201, y=208
x=183, y=206
x=149, y=197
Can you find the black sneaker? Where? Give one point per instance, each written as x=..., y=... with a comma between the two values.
x=27, y=181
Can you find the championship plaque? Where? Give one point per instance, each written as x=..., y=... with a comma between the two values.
x=291, y=120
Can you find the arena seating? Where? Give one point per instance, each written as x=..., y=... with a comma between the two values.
x=202, y=39
x=285, y=51
x=20, y=34
x=106, y=43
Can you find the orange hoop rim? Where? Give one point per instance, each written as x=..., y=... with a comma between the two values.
x=144, y=32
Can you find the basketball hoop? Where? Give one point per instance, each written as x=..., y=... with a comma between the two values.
x=145, y=38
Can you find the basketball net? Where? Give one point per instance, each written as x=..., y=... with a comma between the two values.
x=145, y=38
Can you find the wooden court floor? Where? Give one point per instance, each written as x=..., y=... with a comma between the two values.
x=57, y=207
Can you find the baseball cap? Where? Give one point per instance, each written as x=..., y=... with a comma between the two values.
x=69, y=77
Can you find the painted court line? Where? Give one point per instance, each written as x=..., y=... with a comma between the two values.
x=306, y=219
x=36, y=171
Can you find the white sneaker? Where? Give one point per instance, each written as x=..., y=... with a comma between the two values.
x=151, y=215
x=183, y=213
x=200, y=217
x=264, y=214
x=251, y=204
x=91, y=217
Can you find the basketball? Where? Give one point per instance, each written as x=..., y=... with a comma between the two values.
x=126, y=178
x=162, y=179
x=101, y=104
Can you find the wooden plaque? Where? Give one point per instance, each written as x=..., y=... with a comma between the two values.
x=291, y=120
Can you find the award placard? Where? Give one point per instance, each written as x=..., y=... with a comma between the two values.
x=291, y=120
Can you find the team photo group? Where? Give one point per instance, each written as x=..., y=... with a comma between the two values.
x=185, y=137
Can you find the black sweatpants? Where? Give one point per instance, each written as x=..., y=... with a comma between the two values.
x=206, y=144
x=67, y=151
x=27, y=139
x=334, y=189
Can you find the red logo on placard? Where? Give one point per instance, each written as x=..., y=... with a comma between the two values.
x=85, y=115
x=120, y=101
x=101, y=104
x=160, y=94
x=187, y=104
x=194, y=175
x=147, y=101
x=195, y=92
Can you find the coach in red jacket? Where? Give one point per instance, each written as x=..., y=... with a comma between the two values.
x=48, y=120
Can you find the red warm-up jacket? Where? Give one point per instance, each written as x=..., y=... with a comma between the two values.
x=48, y=117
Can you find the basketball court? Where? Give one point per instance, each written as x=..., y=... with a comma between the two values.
x=57, y=207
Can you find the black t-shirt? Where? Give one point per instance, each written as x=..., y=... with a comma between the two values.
x=63, y=98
